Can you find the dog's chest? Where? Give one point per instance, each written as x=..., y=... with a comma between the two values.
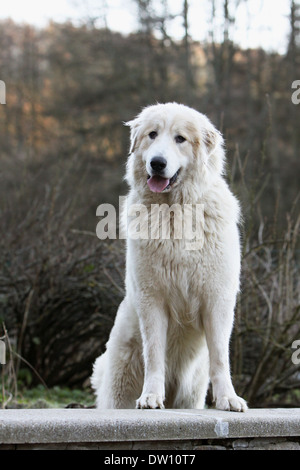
x=166, y=270
x=179, y=276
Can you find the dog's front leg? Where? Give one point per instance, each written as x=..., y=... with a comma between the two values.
x=153, y=325
x=218, y=325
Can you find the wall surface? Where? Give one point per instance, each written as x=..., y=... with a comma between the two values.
x=277, y=429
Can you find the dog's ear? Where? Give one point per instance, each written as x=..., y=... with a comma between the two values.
x=134, y=128
x=213, y=139
x=214, y=148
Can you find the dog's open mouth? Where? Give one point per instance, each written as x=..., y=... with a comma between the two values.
x=158, y=184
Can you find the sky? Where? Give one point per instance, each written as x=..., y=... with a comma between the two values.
x=259, y=23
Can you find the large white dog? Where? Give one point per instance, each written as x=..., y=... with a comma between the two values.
x=172, y=330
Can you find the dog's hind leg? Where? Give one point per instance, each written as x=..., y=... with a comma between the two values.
x=118, y=374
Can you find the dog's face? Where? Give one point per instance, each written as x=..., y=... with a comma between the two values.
x=168, y=142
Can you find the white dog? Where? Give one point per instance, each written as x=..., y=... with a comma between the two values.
x=171, y=333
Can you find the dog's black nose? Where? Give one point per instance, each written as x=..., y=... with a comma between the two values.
x=158, y=164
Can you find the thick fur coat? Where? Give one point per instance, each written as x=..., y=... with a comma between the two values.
x=172, y=330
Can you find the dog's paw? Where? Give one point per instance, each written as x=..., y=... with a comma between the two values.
x=234, y=403
x=150, y=401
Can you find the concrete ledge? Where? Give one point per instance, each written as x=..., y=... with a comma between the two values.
x=149, y=429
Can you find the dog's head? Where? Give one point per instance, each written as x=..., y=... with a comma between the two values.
x=170, y=144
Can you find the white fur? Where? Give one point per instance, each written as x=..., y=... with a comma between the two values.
x=172, y=330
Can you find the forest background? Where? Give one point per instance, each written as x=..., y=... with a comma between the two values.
x=69, y=88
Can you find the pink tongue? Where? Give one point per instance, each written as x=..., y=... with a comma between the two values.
x=157, y=184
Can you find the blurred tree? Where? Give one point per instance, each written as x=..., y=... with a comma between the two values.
x=63, y=152
x=294, y=36
x=293, y=60
x=189, y=81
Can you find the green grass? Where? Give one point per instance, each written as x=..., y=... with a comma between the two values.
x=56, y=397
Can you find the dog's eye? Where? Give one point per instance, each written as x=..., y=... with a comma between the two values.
x=153, y=135
x=179, y=139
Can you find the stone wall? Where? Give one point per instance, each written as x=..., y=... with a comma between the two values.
x=161, y=430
